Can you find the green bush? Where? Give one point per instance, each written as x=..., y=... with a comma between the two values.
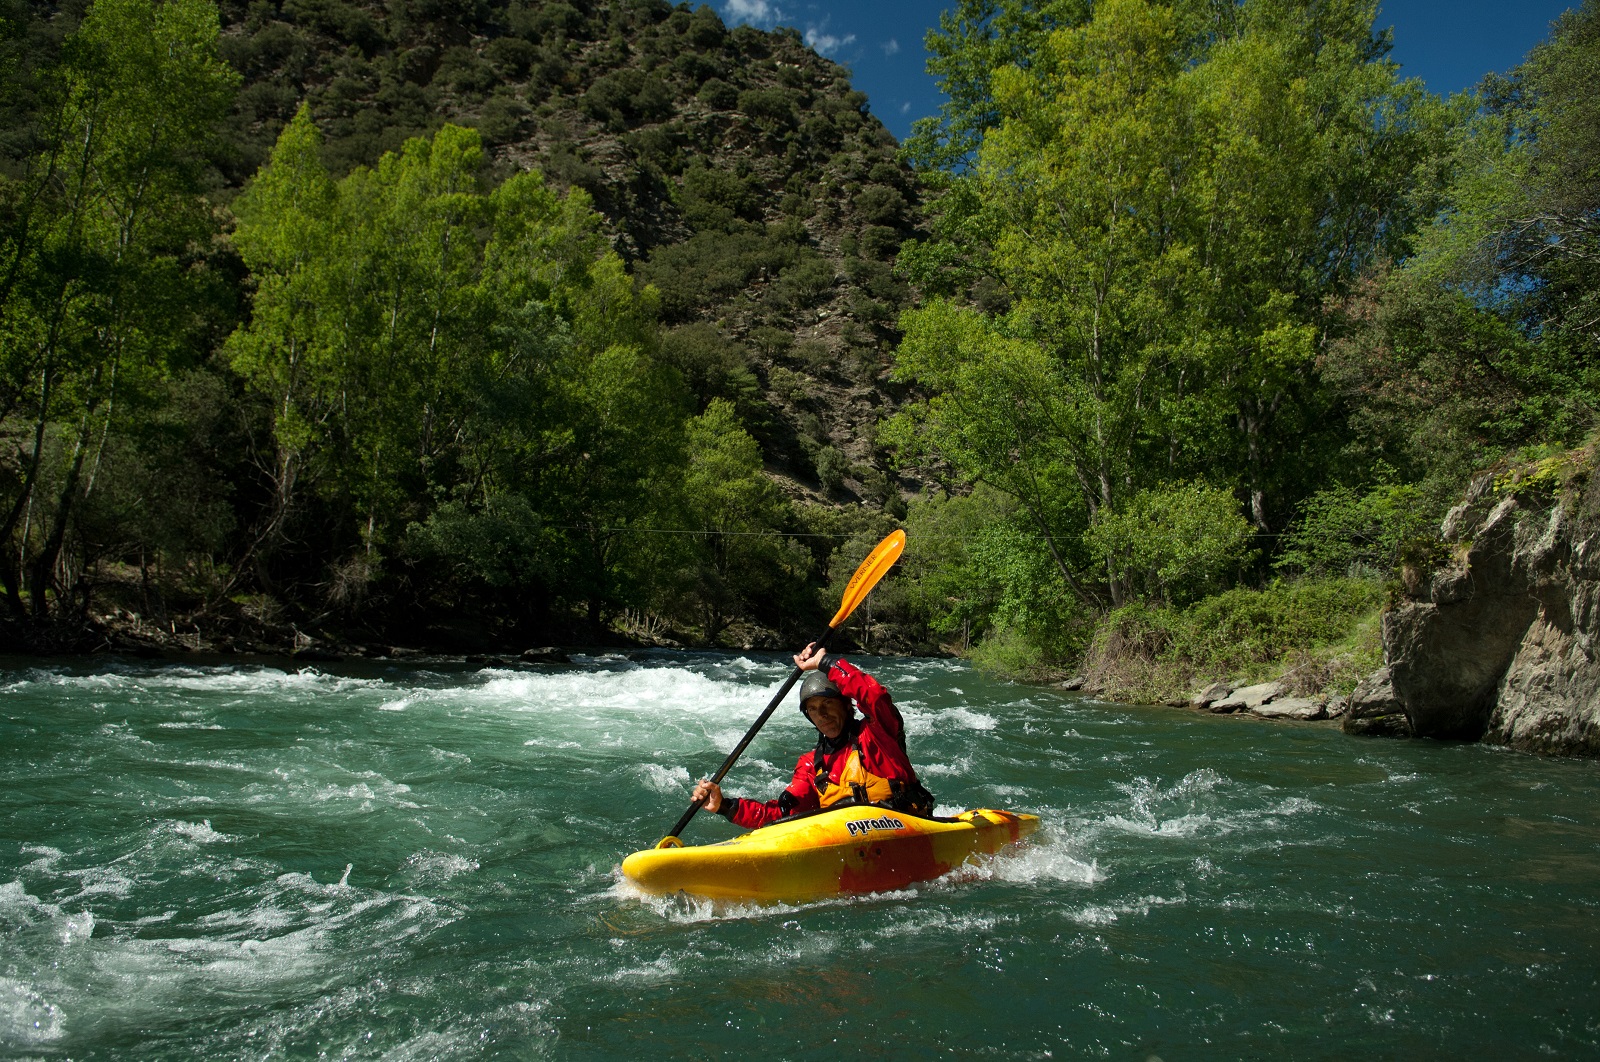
x=709, y=267
x=1341, y=532
x=513, y=57
x=1172, y=545
x=772, y=107
x=718, y=94
x=714, y=198
x=879, y=241
x=714, y=366
x=627, y=95
x=804, y=284
x=831, y=467
x=1149, y=652
x=880, y=205
x=462, y=70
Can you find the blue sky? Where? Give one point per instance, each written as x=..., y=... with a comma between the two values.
x=1450, y=44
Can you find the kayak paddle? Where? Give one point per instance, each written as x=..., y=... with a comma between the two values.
x=879, y=561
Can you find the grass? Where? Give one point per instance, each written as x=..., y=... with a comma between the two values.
x=1316, y=635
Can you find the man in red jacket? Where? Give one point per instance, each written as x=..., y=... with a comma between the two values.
x=857, y=759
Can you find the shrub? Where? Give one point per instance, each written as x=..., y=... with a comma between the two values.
x=513, y=57
x=804, y=284
x=1325, y=628
x=831, y=467
x=708, y=267
x=501, y=119
x=879, y=241
x=1172, y=545
x=880, y=205
x=713, y=198
x=463, y=71
x=627, y=95
x=718, y=94
x=773, y=342
x=705, y=28
x=714, y=367
x=1340, y=532
x=772, y=107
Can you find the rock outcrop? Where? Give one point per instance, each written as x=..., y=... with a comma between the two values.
x=1374, y=710
x=1498, y=638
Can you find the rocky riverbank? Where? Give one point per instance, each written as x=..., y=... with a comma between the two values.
x=1495, y=636
x=1491, y=633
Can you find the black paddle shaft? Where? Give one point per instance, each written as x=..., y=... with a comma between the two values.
x=750, y=735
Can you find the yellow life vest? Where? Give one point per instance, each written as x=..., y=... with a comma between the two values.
x=855, y=782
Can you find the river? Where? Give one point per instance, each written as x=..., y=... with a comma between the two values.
x=420, y=862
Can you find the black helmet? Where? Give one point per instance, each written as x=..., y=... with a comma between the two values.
x=816, y=684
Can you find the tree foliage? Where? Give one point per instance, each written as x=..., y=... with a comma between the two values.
x=100, y=294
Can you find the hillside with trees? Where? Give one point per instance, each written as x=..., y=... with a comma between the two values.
x=471, y=326
x=506, y=323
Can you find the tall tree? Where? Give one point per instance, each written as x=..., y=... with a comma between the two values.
x=95, y=290
x=1164, y=201
x=437, y=356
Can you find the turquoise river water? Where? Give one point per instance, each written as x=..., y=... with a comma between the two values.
x=386, y=862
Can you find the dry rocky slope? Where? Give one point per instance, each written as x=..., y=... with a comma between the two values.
x=1496, y=640
x=738, y=170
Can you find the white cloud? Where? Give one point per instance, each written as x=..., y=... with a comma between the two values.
x=890, y=47
x=905, y=108
x=759, y=12
x=824, y=43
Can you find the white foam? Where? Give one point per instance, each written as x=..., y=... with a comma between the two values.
x=961, y=767
x=199, y=832
x=26, y=1017
x=435, y=868
x=682, y=908
x=18, y=908
x=921, y=723
x=661, y=968
x=1029, y=863
x=919, y=922
x=1107, y=914
x=664, y=779
x=223, y=679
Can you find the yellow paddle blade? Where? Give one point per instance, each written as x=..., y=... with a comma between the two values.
x=669, y=842
x=879, y=561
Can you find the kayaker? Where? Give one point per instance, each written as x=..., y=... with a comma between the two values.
x=857, y=759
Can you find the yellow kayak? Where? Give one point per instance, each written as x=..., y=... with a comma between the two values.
x=830, y=853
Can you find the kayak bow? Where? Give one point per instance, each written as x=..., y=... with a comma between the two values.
x=830, y=853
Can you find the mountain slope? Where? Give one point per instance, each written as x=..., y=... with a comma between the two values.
x=740, y=173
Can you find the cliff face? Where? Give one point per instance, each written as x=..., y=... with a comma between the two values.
x=1498, y=640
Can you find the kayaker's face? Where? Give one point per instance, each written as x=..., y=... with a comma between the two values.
x=828, y=714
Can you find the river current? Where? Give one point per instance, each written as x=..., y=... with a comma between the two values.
x=387, y=862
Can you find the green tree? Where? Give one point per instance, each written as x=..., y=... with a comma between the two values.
x=438, y=359
x=738, y=559
x=98, y=297
x=1173, y=545
x=1135, y=271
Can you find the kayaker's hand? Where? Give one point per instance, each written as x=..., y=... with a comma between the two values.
x=709, y=795
x=810, y=658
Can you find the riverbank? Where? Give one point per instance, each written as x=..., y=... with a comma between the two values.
x=1309, y=640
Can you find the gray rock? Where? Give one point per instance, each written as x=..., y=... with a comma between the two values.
x=545, y=655
x=1076, y=682
x=1210, y=695
x=1375, y=710
x=1291, y=708
x=1337, y=706
x=1503, y=642
x=1248, y=698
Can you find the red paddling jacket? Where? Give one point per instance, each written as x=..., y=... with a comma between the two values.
x=865, y=764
